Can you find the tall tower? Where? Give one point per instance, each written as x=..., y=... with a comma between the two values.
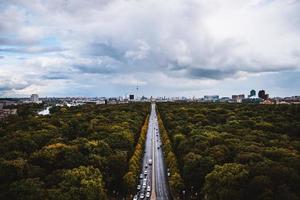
x=137, y=89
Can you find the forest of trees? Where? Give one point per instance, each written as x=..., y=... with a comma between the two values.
x=79, y=152
x=213, y=151
x=235, y=151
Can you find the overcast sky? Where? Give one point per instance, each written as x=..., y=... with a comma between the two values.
x=169, y=47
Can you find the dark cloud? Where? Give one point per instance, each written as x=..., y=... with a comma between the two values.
x=7, y=86
x=199, y=73
x=7, y=41
x=55, y=76
x=1, y=57
x=216, y=74
x=96, y=69
x=98, y=65
x=102, y=49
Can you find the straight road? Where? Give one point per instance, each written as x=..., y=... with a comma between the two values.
x=155, y=178
x=161, y=180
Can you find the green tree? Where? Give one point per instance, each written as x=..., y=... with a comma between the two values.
x=195, y=169
x=81, y=183
x=27, y=189
x=226, y=182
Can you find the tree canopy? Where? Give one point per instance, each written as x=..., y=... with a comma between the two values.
x=80, y=152
x=235, y=151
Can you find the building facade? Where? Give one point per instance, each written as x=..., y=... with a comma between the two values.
x=34, y=98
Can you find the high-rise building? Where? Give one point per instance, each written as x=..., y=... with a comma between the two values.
x=238, y=98
x=34, y=98
x=252, y=93
x=131, y=97
x=262, y=94
x=211, y=98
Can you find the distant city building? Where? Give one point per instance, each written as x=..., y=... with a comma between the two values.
x=252, y=100
x=262, y=94
x=224, y=99
x=112, y=100
x=212, y=98
x=238, y=98
x=100, y=102
x=131, y=97
x=267, y=102
x=34, y=98
x=7, y=103
x=252, y=93
x=293, y=99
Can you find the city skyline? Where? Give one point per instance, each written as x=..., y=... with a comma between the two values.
x=172, y=48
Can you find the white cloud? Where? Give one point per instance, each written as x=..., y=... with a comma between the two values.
x=195, y=42
x=141, y=51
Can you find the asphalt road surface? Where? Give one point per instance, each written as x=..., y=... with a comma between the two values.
x=154, y=164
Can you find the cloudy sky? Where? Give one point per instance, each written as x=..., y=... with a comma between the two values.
x=170, y=47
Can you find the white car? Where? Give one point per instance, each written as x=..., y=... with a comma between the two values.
x=145, y=172
x=141, y=175
x=150, y=162
x=142, y=195
x=144, y=185
x=135, y=197
x=148, y=194
x=138, y=187
x=148, y=188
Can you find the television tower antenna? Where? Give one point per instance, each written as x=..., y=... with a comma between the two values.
x=137, y=88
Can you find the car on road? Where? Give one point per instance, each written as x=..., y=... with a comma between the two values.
x=145, y=172
x=148, y=188
x=135, y=197
x=146, y=166
x=138, y=187
x=150, y=162
x=142, y=196
x=148, y=194
x=141, y=175
x=144, y=185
